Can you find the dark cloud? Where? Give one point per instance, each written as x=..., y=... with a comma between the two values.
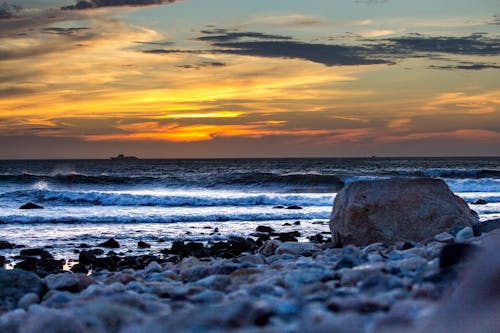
x=326, y=54
x=90, y=4
x=156, y=43
x=235, y=36
x=418, y=45
x=203, y=64
x=495, y=20
x=65, y=31
x=467, y=66
x=365, y=52
x=8, y=11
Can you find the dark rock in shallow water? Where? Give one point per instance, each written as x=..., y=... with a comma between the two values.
x=264, y=228
x=279, y=207
x=453, y=254
x=30, y=205
x=86, y=258
x=394, y=210
x=15, y=284
x=143, y=245
x=486, y=226
x=110, y=243
x=33, y=252
x=480, y=202
x=79, y=268
x=2, y=260
x=4, y=245
x=294, y=207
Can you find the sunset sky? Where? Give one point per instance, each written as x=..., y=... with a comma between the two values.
x=249, y=78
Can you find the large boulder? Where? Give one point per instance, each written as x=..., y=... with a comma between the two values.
x=398, y=209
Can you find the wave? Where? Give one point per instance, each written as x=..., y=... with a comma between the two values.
x=301, y=181
x=450, y=173
x=173, y=200
x=75, y=178
x=180, y=218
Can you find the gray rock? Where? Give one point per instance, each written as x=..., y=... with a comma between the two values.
x=207, y=297
x=465, y=234
x=444, y=237
x=379, y=283
x=486, y=226
x=296, y=248
x=215, y=282
x=72, y=282
x=153, y=267
x=393, y=210
x=15, y=284
x=269, y=247
x=52, y=321
x=27, y=300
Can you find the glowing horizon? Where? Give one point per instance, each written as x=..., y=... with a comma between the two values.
x=199, y=78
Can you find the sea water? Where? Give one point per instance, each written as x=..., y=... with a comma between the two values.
x=159, y=201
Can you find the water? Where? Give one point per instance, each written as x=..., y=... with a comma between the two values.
x=87, y=201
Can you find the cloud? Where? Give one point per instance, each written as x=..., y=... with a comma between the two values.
x=235, y=36
x=467, y=66
x=203, y=64
x=91, y=4
x=417, y=45
x=290, y=20
x=495, y=20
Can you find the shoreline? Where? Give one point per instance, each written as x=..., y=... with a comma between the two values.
x=269, y=286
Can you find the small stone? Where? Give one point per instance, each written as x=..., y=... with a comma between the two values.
x=15, y=284
x=380, y=283
x=4, y=245
x=27, y=300
x=465, y=234
x=453, y=254
x=264, y=228
x=143, y=245
x=153, y=267
x=295, y=248
x=110, y=243
x=444, y=237
x=269, y=248
x=72, y=282
x=216, y=282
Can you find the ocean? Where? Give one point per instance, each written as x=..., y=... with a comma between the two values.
x=159, y=201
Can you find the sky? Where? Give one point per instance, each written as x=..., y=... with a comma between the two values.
x=249, y=78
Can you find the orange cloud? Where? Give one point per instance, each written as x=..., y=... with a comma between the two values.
x=460, y=102
x=464, y=134
x=175, y=132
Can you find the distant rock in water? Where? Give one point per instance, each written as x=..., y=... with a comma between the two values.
x=392, y=210
x=110, y=243
x=30, y=205
x=480, y=202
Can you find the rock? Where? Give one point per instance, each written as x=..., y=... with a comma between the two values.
x=269, y=247
x=264, y=228
x=110, y=243
x=485, y=227
x=52, y=321
x=357, y=304
x=27, y=300
x=216, y=282
x=279, y=207
x=465, y=234
x=295, y=248
x=15, y=284
x=453, y=254
x=294, y=207
x=30, y=205
x=143, y=245
x=474, y=304
x=480, y=202
x=296, y=223
x=86, y=258
x=33, y=252
x=4, y=245
x=72, y=282
x=153, y=267
x=379, y=282
x=79, y=268
x=393, y=210
x=444, y=237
